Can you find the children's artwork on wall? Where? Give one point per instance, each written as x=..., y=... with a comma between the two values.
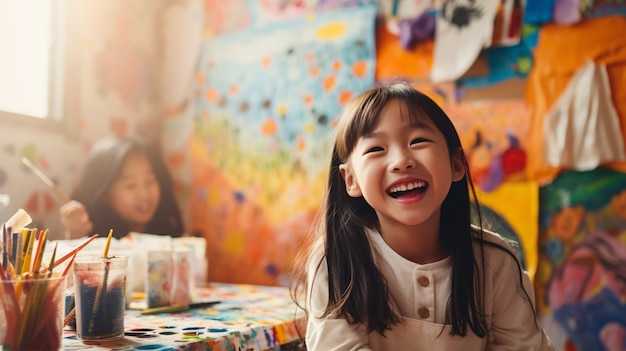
x=581, y=280
x=493, y=135
x=583, y=126
x=462, y=27
x=267, y=100
x=560, y=52
x=512, y=211
x=504, y=62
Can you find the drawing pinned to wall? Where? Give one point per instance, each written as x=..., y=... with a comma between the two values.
x=493, y=134
x=462, y=26
x=566, y=49
x=581, y=281
x=267, y=104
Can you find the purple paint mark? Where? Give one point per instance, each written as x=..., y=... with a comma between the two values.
x=271, y=269
x=239, y=196
x=154, y=347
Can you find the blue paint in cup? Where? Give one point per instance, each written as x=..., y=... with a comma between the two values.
x=99, y=284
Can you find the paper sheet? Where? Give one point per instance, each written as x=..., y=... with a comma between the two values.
x=582, y=130
x=463, y=29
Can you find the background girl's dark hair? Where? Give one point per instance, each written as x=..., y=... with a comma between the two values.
x=103, y=167
x=357, y=289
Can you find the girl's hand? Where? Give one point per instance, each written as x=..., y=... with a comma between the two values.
x=75, y=219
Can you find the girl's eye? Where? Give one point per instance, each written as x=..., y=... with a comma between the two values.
x=374, y=149
x=418, y=140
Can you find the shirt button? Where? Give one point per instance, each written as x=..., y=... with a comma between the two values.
x=423, y=312
x=423, y=281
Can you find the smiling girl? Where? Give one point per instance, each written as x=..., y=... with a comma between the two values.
x=126, y=187
x=396, y=263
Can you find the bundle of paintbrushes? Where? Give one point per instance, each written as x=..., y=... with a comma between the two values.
x=32, y=292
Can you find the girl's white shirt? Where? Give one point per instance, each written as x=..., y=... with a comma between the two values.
x=422, y=292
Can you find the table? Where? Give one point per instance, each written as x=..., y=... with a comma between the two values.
x=248, y=317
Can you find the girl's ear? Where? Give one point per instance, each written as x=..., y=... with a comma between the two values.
x=352, y=185
x=458, y=166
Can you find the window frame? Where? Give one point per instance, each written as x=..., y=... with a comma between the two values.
x=55, y=118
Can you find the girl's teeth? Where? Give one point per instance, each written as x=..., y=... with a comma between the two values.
x=405, y=187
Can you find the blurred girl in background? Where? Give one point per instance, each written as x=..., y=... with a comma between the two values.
x=126, y=187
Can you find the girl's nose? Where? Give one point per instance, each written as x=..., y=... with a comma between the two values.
x=143, y=191
x=403, y=159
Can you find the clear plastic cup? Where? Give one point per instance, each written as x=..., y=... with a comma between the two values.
x=99, y=289
x=32, y=313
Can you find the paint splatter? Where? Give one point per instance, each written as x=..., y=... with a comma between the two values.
x=212, y=95
x=359, y=68
x=332, y=30
x=269, y=127
x=345, y=96
x=329, y=83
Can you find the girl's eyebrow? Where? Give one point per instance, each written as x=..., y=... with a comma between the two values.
x=420, y=125
x=413, y=125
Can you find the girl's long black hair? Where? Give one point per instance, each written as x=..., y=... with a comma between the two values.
x=358, y=292
x=103, y=167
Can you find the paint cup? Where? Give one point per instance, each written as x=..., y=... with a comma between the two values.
x=99, y=289
x=31, y=314
x=158, y=278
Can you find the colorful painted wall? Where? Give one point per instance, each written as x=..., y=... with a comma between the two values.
x=268, y=99
x=581, y=281
x=578, y=122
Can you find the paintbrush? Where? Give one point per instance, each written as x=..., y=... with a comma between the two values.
x=49, y=183
x=103, y=287
x=178, y=308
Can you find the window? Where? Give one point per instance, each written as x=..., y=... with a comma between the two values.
x=31, y=58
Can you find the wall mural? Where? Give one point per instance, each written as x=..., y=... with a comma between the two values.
x=581, y=282
x=267, y=100
x=511, y=210
x=492, y=134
